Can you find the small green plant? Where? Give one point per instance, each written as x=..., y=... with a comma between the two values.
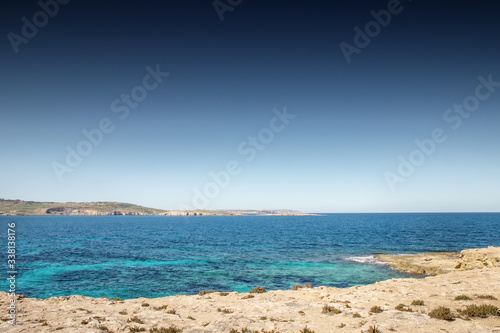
x=373, y=329
x=376, y=309
x=490, y=297
x=402, y=307
x=441, y=313
x=117, y=299
x=223, y=294
x=145, y=305
x=224, y=310
x=356, y=315
x=136, y=329
x=327, y=309
x=418, y=302
x=462, y=298
x=481, y=311
x=258, y=290
x=171, y=329
x=135, y=319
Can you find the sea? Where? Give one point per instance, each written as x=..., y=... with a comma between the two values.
x=154, y=256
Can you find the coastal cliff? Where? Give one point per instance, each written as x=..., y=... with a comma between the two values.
x=20, y=207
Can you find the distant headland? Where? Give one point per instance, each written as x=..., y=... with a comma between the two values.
x=20, y=207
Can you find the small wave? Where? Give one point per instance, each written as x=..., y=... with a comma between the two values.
x=367, y=260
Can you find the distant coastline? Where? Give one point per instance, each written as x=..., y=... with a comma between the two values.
x=27, y=208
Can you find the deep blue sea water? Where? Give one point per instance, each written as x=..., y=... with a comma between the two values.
x=154, y=256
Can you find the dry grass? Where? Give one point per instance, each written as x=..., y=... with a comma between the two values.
x=376, y=309
x=462, y=298
x=135, y=319
x=327, y=309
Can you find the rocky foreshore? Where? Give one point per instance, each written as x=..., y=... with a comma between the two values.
x=444, y=262
x=397, y=305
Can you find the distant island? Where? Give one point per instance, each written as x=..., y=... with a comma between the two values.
x=20, y=207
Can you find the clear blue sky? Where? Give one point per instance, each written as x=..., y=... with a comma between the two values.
x=352, y=120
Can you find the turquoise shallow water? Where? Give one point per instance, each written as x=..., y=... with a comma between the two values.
x=153, y=256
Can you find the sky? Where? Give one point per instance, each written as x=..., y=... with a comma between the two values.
x=317, y=106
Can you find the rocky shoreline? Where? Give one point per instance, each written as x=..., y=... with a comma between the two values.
x=396, y=305
x=443, y=262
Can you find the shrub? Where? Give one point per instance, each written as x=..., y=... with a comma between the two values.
x=481, y=311
x=136, y=329
x=462, y=298
x=418, y=302
x=223, y=294
x=246, y=330
x=258, y=290
x=163, y=307
x=135, y=319
x=490, y=297
x=306, y=330
x=145, y=305
x=327, y=309
x=117, y=299
x=373, y=329
x=171, y=329
x=402, y=307
x=441, y=313
x=356, y=315
x=376, y=309
x=224, y=310
x=171, y=311
x=206, y=292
